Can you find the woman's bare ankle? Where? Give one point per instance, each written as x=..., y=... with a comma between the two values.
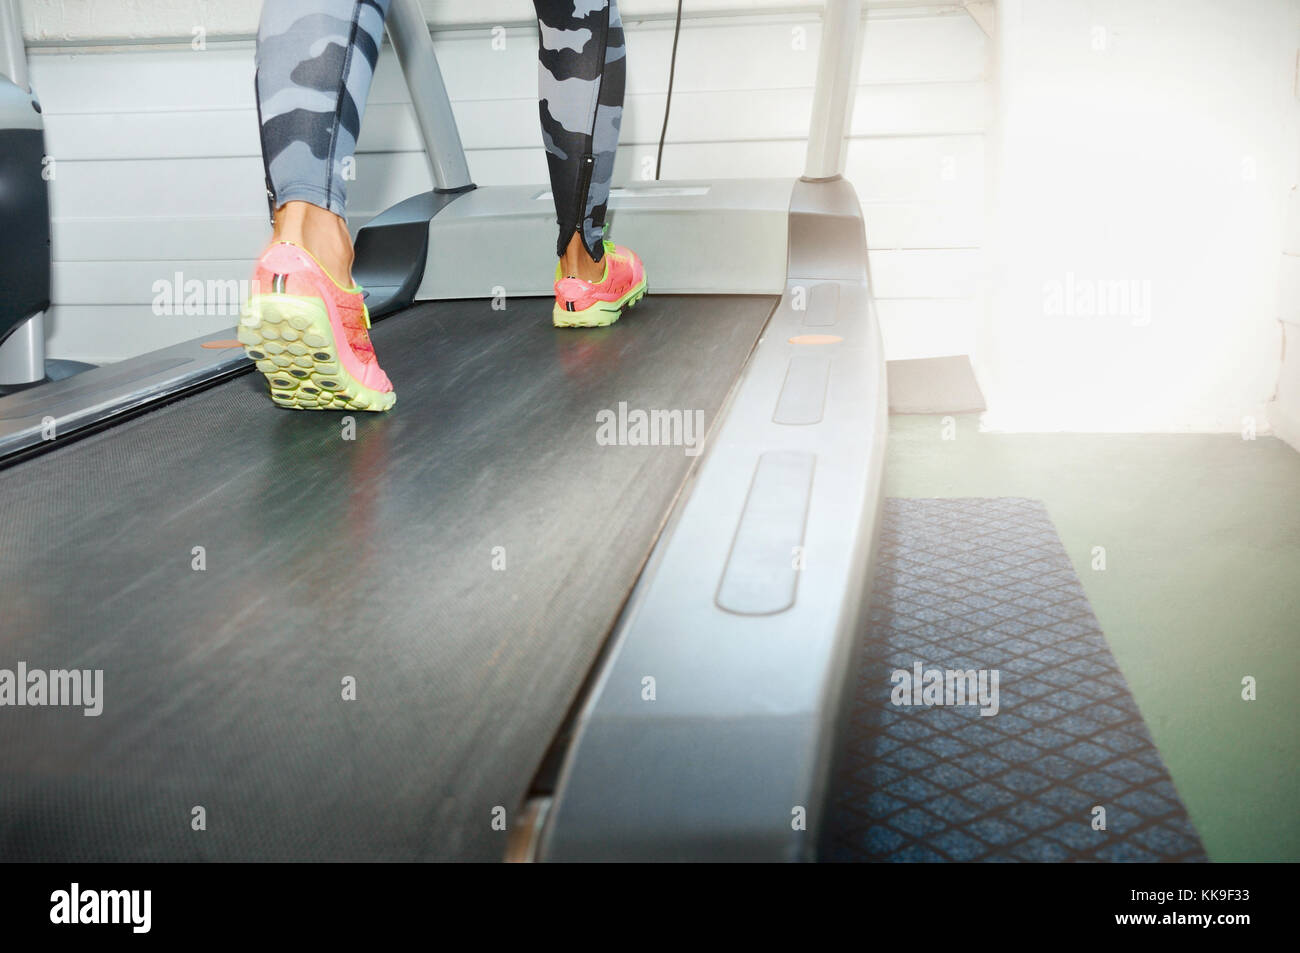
x=576, y=263
x=319, y=231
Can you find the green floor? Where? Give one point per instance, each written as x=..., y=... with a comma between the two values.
x=1201, y=588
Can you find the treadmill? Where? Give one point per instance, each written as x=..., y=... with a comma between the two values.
x=581, y=595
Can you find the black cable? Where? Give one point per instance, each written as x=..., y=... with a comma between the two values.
x=668, y=102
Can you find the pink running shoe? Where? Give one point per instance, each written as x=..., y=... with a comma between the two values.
x=587, y=304
x=309, y=335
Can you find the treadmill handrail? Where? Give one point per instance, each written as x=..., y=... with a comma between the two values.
x=832, y=111
x=409, y=33
x=13, y=50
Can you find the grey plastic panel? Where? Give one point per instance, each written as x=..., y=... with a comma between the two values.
x=392, y=248
x=824, y=243
x=737, y=744
x=803, y=395
x=823, y=305
x=722, y=237
x=761, y=575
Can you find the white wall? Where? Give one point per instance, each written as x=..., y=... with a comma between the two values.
x=1284, y=411
x=77, y=21
x=158, y=169
x=1146, y=142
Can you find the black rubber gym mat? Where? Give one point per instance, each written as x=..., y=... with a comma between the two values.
x=461, y=558
x=973, y=585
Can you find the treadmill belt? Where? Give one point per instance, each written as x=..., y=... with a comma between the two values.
x=236, y=569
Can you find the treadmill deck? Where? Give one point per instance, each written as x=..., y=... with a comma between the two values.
x=462, y=558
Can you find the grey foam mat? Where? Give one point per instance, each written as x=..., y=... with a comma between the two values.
x=328, y=558
x=971, y=584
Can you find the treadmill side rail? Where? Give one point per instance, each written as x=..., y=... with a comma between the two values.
x=42, y=418
x=729, y=758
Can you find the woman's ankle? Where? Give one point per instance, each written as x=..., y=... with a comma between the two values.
x=320, y=232
x=577, y=263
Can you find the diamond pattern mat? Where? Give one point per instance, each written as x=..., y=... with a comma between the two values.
x=985, y=584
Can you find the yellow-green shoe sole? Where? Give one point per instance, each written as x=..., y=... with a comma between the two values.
x=291, y=341
x=602, y=313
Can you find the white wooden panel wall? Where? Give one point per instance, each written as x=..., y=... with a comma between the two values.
x=62, y=21
x=157, y=167
x=1284, y=410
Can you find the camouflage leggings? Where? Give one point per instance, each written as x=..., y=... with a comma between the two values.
x=315, y=60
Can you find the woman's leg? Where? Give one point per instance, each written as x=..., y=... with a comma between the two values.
x=306, y=325
x=581, y=75
x=315, y=61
